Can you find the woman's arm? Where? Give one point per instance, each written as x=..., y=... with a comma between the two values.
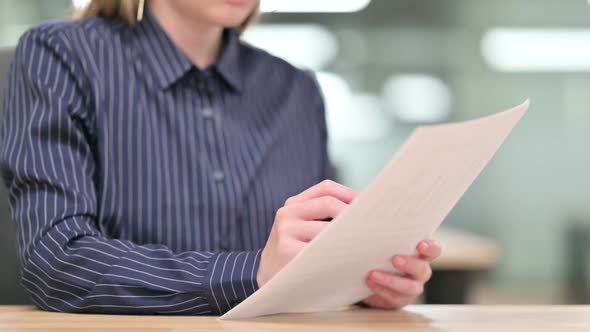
x=48, y=166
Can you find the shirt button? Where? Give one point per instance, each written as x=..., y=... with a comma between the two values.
x=218, y=176
x=207, y=113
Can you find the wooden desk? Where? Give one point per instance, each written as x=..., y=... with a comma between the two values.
x=414, y=319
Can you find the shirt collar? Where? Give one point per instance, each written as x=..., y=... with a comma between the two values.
x=168, y=63
x=228, y=64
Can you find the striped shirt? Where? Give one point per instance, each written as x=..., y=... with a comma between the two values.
x=142, y=184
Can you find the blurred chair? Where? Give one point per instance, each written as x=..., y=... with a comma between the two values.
x=578, y=263
x=465, y=256
x=10, y=289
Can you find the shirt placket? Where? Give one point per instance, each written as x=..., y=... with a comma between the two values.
x=211, y=113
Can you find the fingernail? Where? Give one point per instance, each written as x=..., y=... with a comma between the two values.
x=399, y=261
x=424, y=245
x=378, y=277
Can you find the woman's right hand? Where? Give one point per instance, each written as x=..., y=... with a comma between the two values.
x=298, y=222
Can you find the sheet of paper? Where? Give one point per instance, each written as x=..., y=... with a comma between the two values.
x=404, y=204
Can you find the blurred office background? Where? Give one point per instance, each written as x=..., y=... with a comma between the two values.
x=386, y=66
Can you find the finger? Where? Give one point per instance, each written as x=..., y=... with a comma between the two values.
x=325, y=188
x=395, y=283
x=318, y=208
x=388, y=299
x=417, y=268
x=376, y=301
x=429, y=249
x=308, y=230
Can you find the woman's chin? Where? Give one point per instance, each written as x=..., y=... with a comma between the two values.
x=244, y=3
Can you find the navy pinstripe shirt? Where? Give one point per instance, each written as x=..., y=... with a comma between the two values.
x=141, y=184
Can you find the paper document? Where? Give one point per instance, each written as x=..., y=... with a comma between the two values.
x=404, y=204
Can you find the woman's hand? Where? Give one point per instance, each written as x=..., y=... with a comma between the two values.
x=392, y=291
x=298, y=222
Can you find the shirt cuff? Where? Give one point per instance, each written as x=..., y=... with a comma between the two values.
x=232, y=278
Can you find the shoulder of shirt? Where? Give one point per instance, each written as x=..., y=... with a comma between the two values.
x=73, y=31
x=275, y=63
x=305, y=79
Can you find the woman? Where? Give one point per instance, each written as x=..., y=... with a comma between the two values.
x=148, y=161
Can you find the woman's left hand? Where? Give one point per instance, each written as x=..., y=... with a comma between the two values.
x=393, y=291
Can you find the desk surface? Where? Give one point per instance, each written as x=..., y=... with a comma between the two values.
x=414, y=319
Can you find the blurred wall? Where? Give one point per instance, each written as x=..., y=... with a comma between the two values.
x=539, y=181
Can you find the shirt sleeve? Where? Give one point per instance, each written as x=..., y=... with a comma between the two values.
x=48, y=165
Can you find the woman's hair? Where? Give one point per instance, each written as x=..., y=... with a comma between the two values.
x=127, y=10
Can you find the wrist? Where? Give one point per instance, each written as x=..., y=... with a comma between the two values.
x=261, y=278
